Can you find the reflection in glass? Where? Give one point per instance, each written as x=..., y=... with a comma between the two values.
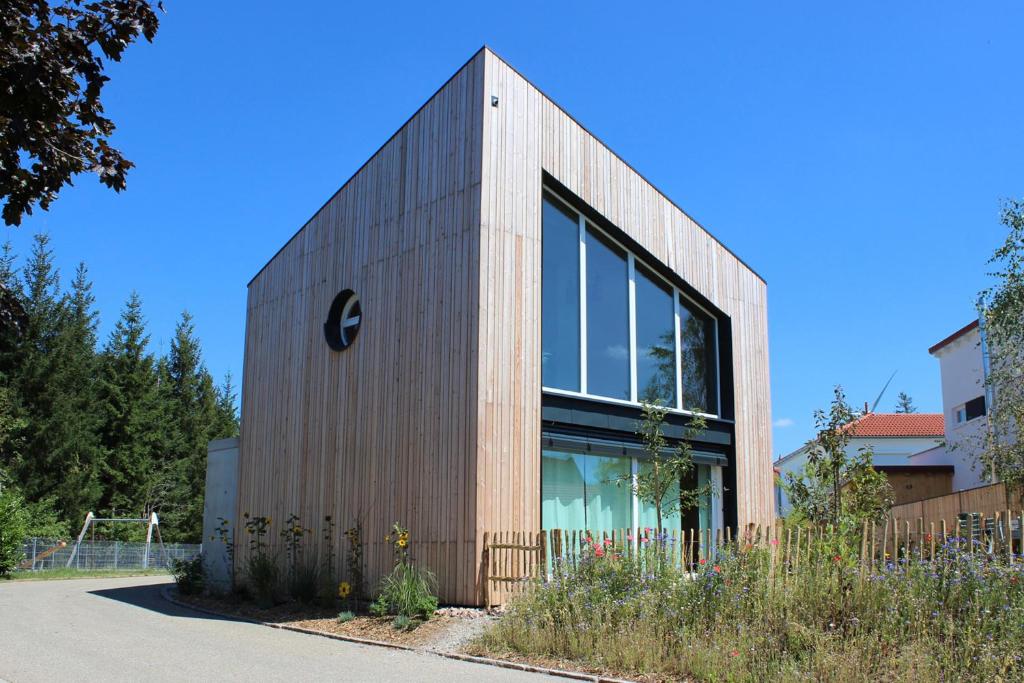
x=609, y=503
x=698, y=359
x=607, y=318
x=655, y=340
x=562, y=490
x=560, y=294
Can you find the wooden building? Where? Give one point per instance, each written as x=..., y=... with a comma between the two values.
x=458, y=340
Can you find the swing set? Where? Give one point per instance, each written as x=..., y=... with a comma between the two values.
x=152, y=523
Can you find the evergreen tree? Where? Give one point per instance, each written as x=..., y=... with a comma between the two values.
x=131, y=434
x=193, y=410
x=226, y=425
x=55, y=382
x=905, y=404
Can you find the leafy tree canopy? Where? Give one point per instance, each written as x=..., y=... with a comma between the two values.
x=1002, y=310
x=52, y=122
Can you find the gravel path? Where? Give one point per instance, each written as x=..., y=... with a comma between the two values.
x=123, y=630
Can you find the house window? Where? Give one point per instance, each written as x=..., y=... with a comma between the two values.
x=613, y=329
x=699, y=359
x=585, y=491
x=974, y=408
x=560, y=297
x=655, y=339
x=344, y=318
x=608, y=357
x=959, y=415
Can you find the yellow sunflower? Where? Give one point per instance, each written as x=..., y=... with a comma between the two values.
x=344, y=590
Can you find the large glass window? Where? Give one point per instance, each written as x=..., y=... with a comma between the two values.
x=612, y=328
x=608, y=363
x=560, y=305
x=655, y=340
x=563, y=490
x=609, y=498
x=583, y=491
x=699, y=380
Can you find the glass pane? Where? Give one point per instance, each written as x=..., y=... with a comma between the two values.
x=655, y=340
x=703, y=477
x=649, y=514
x=609, y=503
x=607, y=318
x=698, y=359
x=560, y=298
x=562, y=491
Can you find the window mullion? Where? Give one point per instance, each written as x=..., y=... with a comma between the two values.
x=583, y=304
x=631, y=261
x=679, y=350
x=634, y=470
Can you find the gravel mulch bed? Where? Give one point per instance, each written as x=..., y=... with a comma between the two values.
x=450, y=629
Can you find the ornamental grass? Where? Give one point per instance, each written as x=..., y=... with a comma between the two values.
x=742, y=615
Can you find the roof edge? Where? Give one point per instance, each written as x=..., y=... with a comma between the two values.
x=370, y=158
x=953, y=337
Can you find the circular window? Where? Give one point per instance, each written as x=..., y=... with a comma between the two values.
x=343, y=320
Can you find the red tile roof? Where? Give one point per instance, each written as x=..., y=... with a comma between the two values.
x=898, y=424
x=953, y=337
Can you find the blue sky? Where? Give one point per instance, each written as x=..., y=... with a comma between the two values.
x=855, y=154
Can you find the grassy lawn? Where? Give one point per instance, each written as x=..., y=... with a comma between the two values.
x=62, y=573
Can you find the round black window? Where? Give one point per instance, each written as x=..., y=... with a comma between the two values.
x=343, y=320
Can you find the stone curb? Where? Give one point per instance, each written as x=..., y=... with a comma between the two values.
x=167, y=594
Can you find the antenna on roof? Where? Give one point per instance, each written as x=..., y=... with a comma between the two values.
x=877, y=400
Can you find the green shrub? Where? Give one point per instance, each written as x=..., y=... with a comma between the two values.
x=743, y=617
x=189, y=575
x=408, y=591
x=304, y=582
x=346, y=616
x=13, y=527
x=263, y=578
x=402, y=623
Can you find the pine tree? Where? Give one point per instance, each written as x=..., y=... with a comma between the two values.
x=193, y=410
x=131, y=432
x=55, y=382
x=905, y=404
x=226, y=425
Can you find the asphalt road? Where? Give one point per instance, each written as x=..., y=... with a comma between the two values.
x=123, y=630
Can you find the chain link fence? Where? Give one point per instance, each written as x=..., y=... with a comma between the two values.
x=45, y=553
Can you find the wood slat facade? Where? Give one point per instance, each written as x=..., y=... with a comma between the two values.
x=432, y=417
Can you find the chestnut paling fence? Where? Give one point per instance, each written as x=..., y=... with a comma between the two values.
x=514, y=560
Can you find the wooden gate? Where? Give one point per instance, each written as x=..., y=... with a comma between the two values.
x=512, y=559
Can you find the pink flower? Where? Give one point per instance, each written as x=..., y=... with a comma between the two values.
x=703, y=561
x=717, y=569
x=775, y=541
x=629, y=537
x=734, y=653
x=645, y=540
x=837, y=559
x=607, y=541
x=647, y=530
x=599, y=552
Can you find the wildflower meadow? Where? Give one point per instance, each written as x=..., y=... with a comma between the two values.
x=751, y=612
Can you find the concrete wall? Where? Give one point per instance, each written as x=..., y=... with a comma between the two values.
x=219, y=503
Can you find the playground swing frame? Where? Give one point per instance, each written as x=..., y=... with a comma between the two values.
x=152, y=523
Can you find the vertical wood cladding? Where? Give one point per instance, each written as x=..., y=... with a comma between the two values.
x=383, y=429
x=525, y=136
x=432, y=417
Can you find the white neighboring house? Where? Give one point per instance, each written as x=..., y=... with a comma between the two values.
x=895, y=438
x=963, y=364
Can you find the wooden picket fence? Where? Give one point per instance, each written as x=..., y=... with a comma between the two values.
x=513, y=561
